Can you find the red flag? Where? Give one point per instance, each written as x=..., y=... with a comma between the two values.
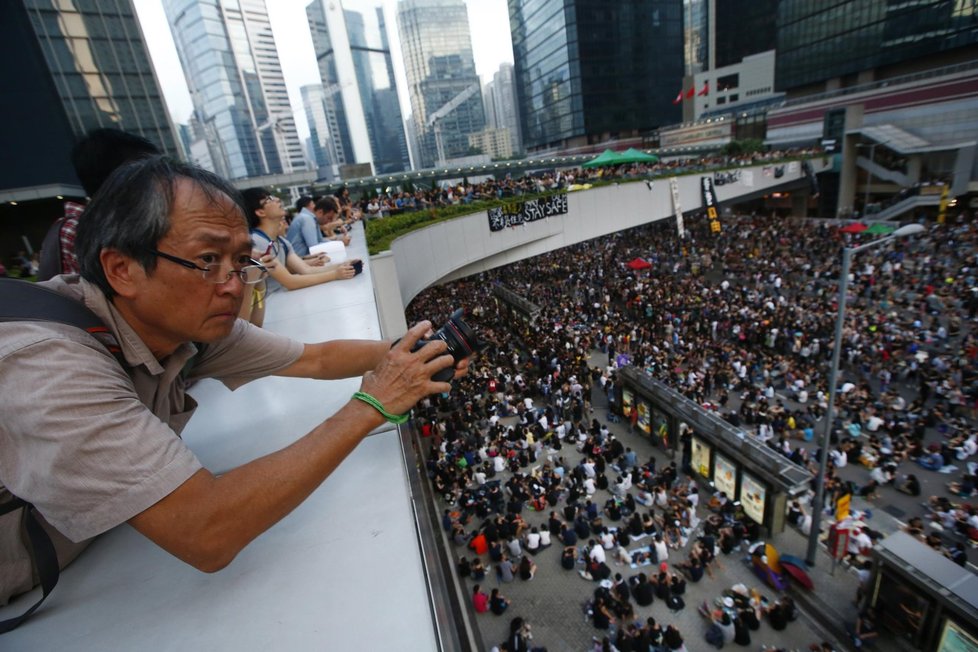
x=706, y=88
x=691, y=92
x=679, y=98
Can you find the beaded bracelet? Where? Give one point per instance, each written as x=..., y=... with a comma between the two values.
x=375, y=404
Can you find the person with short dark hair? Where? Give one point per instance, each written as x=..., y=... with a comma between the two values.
x=480, y=600
x=305, y=231
x=498, y=603
x=266, y=219
x=94, y=158
x=165, y=260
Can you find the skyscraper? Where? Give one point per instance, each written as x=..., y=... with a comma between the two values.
x=588, y=71
x=359, y=89
x=505, y=111
x=853, y=42
x=446, y=97
x=241, y=105
x=696, y=36
x=71, y=67
x=321, y=143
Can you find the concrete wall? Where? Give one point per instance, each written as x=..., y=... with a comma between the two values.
x=464, y=246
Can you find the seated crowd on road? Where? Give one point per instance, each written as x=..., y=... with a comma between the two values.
x=742, y=323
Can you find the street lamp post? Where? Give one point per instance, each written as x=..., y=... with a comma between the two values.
x=817, y=503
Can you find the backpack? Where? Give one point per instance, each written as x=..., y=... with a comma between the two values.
x=675, y=603
x=714, y=636
x=26, y=301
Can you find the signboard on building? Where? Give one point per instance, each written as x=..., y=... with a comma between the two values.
x=753, y=497
x=356, y=171
x=714, y=132
x=725, y=475
x=627, y=402
x=644, y=417
x=701, y=457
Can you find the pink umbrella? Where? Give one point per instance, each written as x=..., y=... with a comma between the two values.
x=855, y=227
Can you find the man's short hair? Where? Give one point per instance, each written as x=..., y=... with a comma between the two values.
x=302, y=202
x=254, y=199
x=131, y=212
x=101, y=151
x=327, y=204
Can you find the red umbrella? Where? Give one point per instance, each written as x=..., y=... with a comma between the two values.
x=639, y=264
x=855, y=227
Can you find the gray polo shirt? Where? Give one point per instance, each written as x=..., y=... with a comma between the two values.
x=91, y=444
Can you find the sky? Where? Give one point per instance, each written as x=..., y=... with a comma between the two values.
x=491, y=46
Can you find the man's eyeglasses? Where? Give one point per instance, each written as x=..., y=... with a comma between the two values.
x=249, y=274
x=271, y=199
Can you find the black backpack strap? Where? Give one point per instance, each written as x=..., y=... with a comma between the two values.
x=26, y=301
x=45, y=559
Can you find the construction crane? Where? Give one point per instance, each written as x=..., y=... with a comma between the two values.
x=434, y=120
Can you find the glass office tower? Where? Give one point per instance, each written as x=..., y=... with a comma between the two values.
x=818, y=41
x=742, y=29
x=359, y=89
x=588, y=71
x=696, y=35
x=228, y=54
x=321, y=140
x=501, y=105
x=446, y=95
x=73, y=67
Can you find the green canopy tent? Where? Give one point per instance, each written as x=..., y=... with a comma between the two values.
x=632, y=155
x=879, y=228
x=607, y=157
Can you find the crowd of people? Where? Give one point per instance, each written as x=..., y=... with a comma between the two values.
x=742, y=323
x=393, y=201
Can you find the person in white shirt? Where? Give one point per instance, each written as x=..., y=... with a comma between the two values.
x=589, y=486
x=544, y=538
x=499, y=463
x=661, y=549
x=596, y=552
x=622, y=485
x=644, y=498
x=533, y=540
x=588, y=466
x=839, y=459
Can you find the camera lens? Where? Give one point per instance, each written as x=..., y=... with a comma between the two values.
x=461, y=340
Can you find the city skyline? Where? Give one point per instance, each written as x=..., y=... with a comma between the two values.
x=242, y=115
x=491, y=44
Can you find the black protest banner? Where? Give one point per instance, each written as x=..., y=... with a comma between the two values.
x=517, y=213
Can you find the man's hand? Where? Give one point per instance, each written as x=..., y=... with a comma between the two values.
x=345, y=271
x=404, y=377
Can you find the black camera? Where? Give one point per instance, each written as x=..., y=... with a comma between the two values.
x=461, y=340
x=357, y=266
